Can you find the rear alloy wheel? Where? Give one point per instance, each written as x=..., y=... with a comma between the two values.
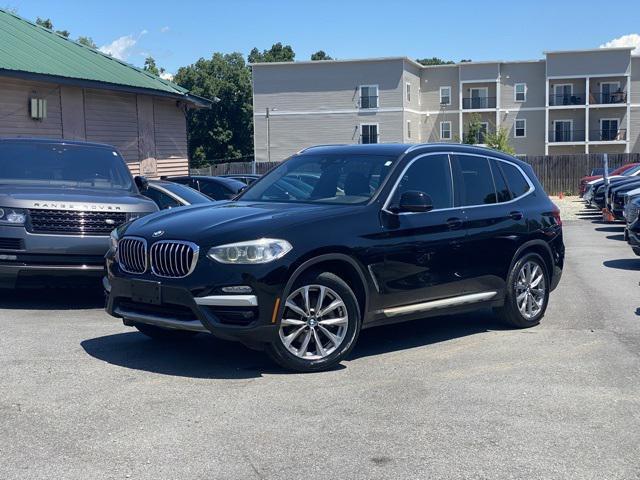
x=527, y=293
x=319, y=325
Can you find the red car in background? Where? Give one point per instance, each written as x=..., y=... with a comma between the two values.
x=617, y=171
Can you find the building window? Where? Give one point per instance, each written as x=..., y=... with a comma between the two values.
x=521, y=92
x=520, y=128
x=369, y=133
x=368, y=96
x=408, y=93
x=445, y=95
x=445, y=130
x=408, y=128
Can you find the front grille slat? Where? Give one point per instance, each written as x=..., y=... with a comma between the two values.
x=132, y=255
x=173, y=258
x=74, y=222
x=11, y=244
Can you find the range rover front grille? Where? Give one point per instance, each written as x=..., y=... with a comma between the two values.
x=173, y=258
x=132, y=255
x=72, y=222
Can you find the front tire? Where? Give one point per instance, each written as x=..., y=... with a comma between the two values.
x=527, y=292
x=319, y=325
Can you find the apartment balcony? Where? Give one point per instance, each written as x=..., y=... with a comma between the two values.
x=608, y=135
x=566, y=136
x=566, y=99
x=478, y=103
x=614, y=98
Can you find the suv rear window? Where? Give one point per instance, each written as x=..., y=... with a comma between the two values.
x=64, y=165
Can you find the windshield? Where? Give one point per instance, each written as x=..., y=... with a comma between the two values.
x=339, y=179
x=56, y=164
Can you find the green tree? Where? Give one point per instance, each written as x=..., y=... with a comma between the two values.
x=150, y=66
x=87, y=41
x=47, y=23
x=225, y=130
x=320, y=55
x=473, y=130
x=277, y=53
x=434, y=61
x=499, y=141
x=466, y=60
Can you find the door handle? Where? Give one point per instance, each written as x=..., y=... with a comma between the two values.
x=516, y=215
x=454, y=223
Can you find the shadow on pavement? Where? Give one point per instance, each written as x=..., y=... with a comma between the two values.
x=620, y=236
x=623, y=264
x=52, y=298
x=612, y=228
x=205, y=356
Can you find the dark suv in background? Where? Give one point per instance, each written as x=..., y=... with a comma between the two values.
x=387, y=233
x=59, y=200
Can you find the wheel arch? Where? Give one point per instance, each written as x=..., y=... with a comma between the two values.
x=340, y=264
x=541, y=248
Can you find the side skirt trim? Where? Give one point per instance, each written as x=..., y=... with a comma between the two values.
x=436, y=304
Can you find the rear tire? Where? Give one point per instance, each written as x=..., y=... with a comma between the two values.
x=164, y=334
x=319, y=326
x=527, y=294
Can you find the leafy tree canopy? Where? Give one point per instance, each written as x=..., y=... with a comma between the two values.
x=320, y=55
x=434, y=61
x=150, y=66
x=225, y=130
x=87, y=41
x=277, y=53
x=499, y=141
x=47, y=23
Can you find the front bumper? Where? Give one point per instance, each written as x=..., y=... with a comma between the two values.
x=185, y=305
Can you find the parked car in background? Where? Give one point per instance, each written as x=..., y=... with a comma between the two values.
x=217, y=188
x=584, y=181
x=615, y=196
x=247, y=178
x=632, y=227
x=595, y=191
x=59, y=200
x=171, y=195
x=389, y=233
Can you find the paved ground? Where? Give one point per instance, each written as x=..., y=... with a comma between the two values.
x=83, y=397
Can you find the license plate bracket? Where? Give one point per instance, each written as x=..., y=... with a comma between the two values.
x=144, y=291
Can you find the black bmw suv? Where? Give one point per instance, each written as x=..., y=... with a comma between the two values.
x=386, y=233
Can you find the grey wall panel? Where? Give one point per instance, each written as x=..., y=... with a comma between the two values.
x=588, y=63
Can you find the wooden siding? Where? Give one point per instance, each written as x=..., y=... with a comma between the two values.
x=170, y=130
x=112, y=118
x=15, y=119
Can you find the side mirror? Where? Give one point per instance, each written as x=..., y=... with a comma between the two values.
x=141, y=182
x=415, y=201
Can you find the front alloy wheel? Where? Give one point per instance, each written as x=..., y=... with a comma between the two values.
x=319, y=325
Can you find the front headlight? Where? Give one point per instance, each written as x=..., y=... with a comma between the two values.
x=113, y=240
x=253, y=252
x=12, y=216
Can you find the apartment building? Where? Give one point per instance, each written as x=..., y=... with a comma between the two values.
x=585, y=101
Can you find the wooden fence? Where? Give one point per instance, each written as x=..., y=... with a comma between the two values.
x=557, y=173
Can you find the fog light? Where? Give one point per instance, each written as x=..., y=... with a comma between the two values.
x=238, y=289
x=8, y=257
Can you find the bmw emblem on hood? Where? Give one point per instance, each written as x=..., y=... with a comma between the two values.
x=157, y=234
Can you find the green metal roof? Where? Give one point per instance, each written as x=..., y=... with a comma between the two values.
x=27, y=47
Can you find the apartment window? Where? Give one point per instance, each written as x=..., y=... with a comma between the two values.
x=609, y=129
x=610, y=92
x=520, y=128
x=521, y=92
x=445, y=95
x=408, y=92
x=369, y=133
x=408, y=128
x=445, y=130
x=368, y=96
x=562, y=131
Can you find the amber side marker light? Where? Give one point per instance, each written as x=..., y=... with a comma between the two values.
x=275, y=310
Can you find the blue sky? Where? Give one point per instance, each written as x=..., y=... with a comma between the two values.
x=178, y=33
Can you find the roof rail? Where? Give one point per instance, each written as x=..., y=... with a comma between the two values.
x=323, y=145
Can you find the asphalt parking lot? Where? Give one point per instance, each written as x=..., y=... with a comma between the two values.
x=461, y=397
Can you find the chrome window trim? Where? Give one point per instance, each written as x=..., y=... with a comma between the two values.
x=171, y=194
x=449, y=154
x=194, y=262
x=145, y=256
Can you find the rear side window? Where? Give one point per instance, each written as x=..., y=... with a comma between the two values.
x=213, y=190
x=476, y=181
x=501, y=185
x=516, y=182
x=430, y=174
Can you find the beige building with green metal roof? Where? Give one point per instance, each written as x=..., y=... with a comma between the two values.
x=53, y=87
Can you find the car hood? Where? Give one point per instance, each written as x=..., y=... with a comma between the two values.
x=57, y=198
x=226, y=221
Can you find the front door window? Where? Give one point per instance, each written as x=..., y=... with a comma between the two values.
x=479, y=98
x=562, y=131
x=609, y=129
